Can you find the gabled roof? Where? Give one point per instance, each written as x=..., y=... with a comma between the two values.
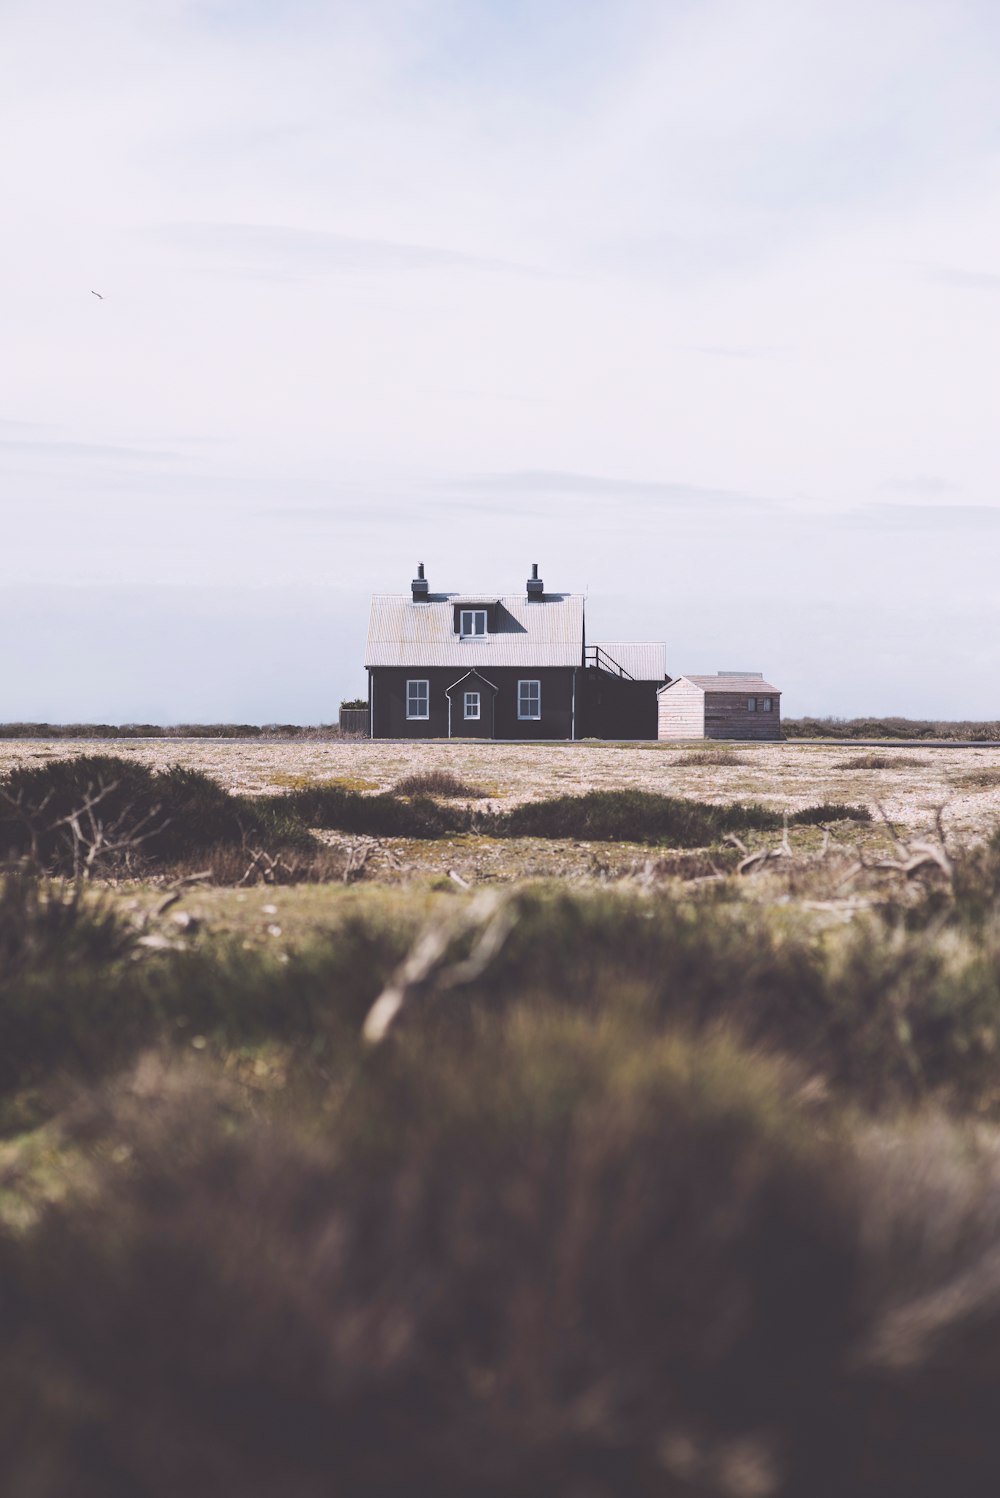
x=644, y=662
x=746, y=684
x=465, y=677
x=546, y=632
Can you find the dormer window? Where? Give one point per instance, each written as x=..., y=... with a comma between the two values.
x=472, y=623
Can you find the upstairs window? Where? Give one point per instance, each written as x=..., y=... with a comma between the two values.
x=529, y=699
x=751, y=704
x=418, y=699
x=472, y=704
x=766, y=705
x=472, y=623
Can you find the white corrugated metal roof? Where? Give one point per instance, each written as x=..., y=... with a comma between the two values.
x=646, y=662
x=745, y=685
x=545, y=633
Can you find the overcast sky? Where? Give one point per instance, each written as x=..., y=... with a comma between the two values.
x=696, y=303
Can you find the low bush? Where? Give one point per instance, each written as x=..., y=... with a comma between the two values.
x=720, y=758
x=102, y=814
x=645, y=817
x=880, y=762
x=335, y=807
x=985, y=779
x=437, y=783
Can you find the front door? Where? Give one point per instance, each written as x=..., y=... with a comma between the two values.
x=472, y=711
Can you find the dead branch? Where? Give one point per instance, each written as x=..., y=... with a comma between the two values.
x=490, y=915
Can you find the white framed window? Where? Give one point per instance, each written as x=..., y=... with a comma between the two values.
x=751, y=704
x=418, y=699
x=472, y=705
x=766, y=705
x=472, y=623
x=529, y=699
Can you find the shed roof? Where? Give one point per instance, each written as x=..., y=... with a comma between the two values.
x=746, y=684
x=644, y=661
x=546, y=632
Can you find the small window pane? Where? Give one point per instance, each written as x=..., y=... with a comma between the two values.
x=765, y=704
x=472, y=622
x=472, y=704
x=418, y=695
x=529, y=699
x=751, y=704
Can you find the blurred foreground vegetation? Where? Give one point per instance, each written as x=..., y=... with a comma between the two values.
x=657, y=1188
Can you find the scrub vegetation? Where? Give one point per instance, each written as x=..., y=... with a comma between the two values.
x=890, y=728
x=656, y=1185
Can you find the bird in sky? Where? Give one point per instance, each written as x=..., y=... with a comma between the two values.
x=98, y=295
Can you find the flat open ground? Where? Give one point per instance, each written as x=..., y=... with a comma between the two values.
x=918, y=780
x=964, y=783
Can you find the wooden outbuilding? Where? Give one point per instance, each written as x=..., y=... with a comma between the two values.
x=729, y=705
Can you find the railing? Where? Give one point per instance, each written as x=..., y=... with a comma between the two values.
x=593, y=655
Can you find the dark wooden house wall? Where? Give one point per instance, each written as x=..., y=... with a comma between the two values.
x=388, y=695
x=617, y=709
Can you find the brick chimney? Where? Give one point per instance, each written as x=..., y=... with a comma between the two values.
x=419, y=585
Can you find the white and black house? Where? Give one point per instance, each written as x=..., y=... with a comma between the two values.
x=503, y=666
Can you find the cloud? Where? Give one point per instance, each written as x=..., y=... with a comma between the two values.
x=964, y=280
x=928, y=517
x=284, y=252
x=722, y=351
x=572, y=486
x=84, y=452
x=922, y=483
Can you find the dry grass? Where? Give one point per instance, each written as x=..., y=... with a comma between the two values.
x=882, y=762
x=438, y=783
x=985, y=779
x=718, y=758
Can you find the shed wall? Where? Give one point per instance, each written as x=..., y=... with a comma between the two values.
x=726, y=716
x=681, y=712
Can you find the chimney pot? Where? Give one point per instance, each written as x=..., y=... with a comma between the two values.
x=419, y=586
x=536, y=588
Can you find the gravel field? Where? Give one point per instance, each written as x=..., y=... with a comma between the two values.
x=919, y=780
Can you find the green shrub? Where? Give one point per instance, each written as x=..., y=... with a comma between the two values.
x=495, y=1278
x=336, y=807
x=437, y=783
x=77, y=995
x=99, y=813
x=645, y=817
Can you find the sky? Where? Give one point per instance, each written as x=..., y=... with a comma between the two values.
x=696, y=303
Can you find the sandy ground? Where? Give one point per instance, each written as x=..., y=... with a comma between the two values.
x=919, y=781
